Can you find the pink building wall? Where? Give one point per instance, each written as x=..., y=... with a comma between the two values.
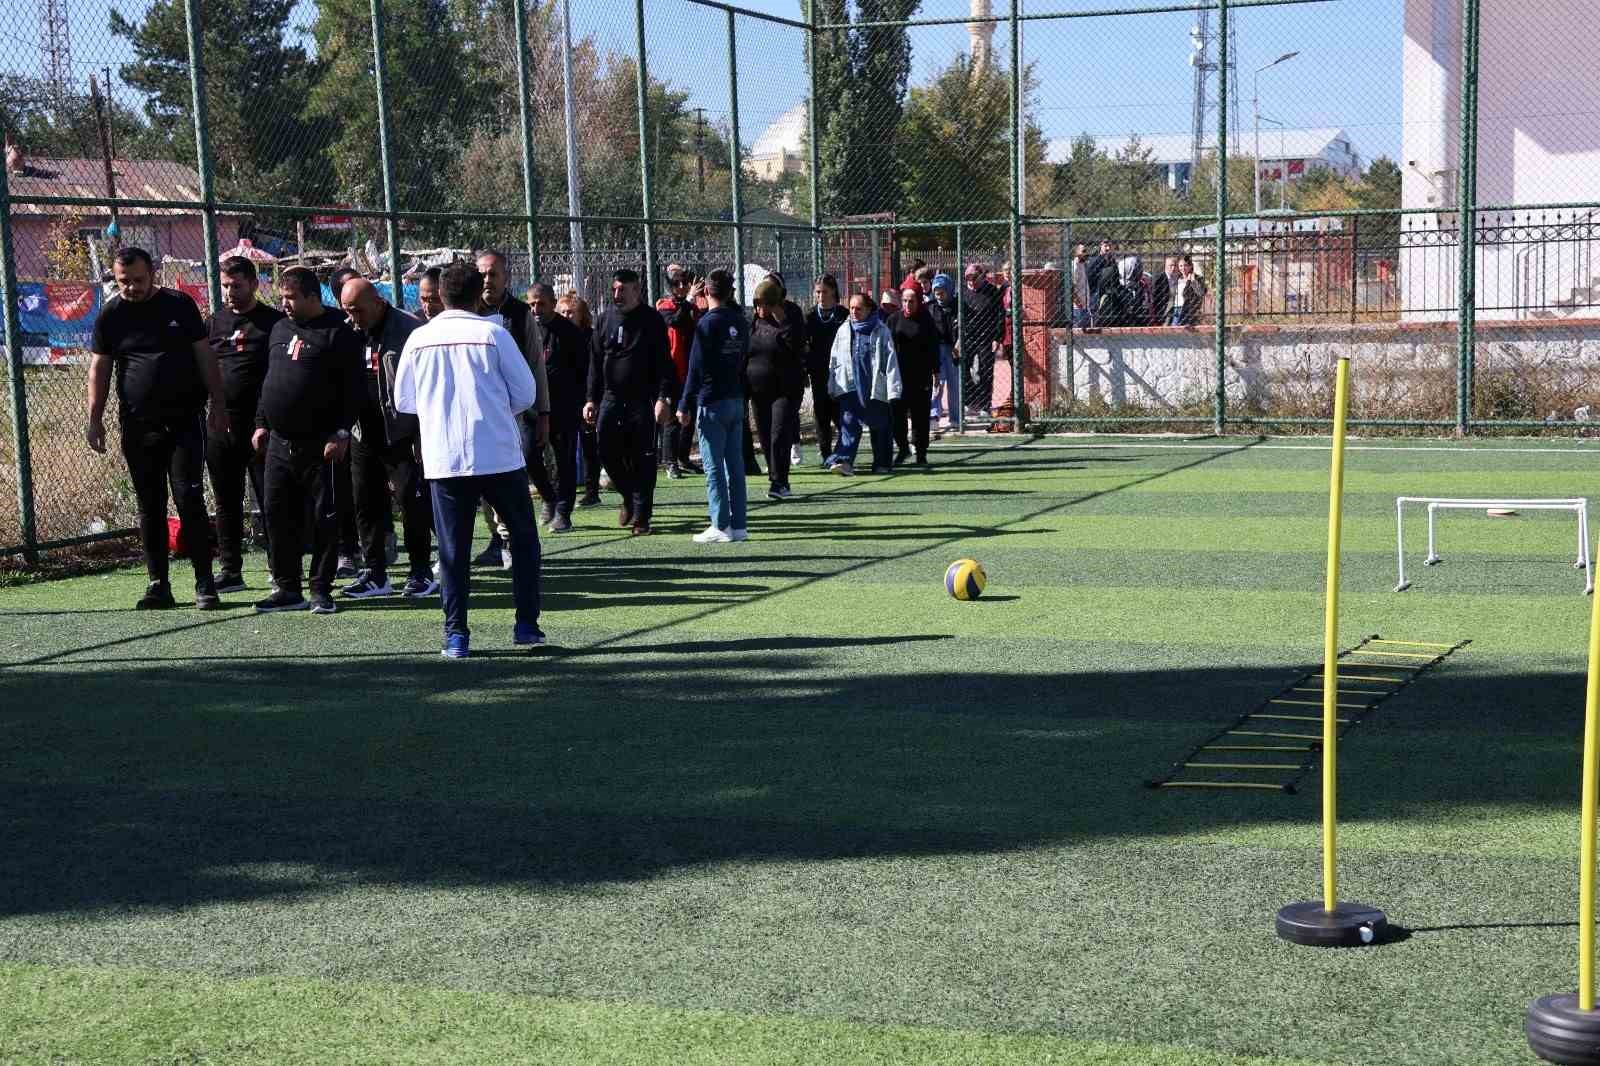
x=179, y=236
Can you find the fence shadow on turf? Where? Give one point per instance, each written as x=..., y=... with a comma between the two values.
x=187, y=783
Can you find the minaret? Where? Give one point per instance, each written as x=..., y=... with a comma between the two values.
x=982, y=39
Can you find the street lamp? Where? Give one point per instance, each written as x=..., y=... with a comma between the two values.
x=1256, y=106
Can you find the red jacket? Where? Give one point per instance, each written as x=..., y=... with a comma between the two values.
x=680, y=321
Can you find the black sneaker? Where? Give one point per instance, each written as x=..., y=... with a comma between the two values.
x=205, y=595
x=419, y=586
x=560, y=524
x=157, y=597
x=779, y=492
x=228, y=581
x=900, y=458
x=281, y=601
x=490, y=556
x=346, y=570
x=368, y=586
x=322, y=603
x=590, y=499
x=547, y=514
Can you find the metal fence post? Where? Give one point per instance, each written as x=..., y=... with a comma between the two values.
x=644, y=157
x=385, y=156
x=960, y=399
x=21, y=456
x=202, y=149
x=735, y=160
x=1466, y=213
x=530, y=176
x=1219, y=422
x=1019, y=404
x=777, y=253
x=1355, y=258
x=811, y=139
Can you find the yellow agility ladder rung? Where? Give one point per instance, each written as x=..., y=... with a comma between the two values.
x=1359, y=677
x=1318, y=703
x=1222, y=784
x=1298, y=718
x=1392, y=666
x=1410, y=644
x=1278, y=736
x=1349, y=691
x=1392, y=654
x=1257, y=747
x=1242, y=765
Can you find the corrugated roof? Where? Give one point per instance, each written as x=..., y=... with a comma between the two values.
x=142, y=179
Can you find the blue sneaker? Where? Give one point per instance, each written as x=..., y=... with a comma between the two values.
x=527, y=636
x=455, y=646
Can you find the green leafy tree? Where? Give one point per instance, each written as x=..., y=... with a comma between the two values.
x=37, y=125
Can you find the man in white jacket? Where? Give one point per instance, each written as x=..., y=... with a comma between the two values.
x=465, y=379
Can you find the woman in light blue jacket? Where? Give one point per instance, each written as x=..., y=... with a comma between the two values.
x=864, y=379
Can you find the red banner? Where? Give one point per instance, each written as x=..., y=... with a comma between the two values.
x=198, y=294
x=70, y=300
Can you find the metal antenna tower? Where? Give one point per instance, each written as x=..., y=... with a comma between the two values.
x=1205, y=52
x=56, y=44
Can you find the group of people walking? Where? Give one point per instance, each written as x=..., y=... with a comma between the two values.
x=354, y=412
x=1111, y=290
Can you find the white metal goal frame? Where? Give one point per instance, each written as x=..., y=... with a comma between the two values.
x=1435, y=504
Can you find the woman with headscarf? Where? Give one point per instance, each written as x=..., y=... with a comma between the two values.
x=775, y=377
x=864, y=379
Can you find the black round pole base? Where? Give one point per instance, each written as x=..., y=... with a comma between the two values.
x=1559, y=1032
x=1348, y=925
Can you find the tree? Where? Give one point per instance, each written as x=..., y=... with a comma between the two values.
x=263, y=144
x=833, y=83
x=71, y=131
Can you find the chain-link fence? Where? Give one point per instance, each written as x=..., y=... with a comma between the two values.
x=1150, y=214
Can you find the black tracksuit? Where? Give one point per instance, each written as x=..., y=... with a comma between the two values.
x=241, y=343
x=313, y=388
x=161, y=406
x=985, y=325
x=384, y=453
x=916, y=346
x=821, y=327
x=566, y=368
x=630, y=368
x=775, y=380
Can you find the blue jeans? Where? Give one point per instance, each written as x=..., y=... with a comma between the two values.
x=943, y=397
x=874, y=414
x=722, y=455
x=455, y=510
x=1175, y=317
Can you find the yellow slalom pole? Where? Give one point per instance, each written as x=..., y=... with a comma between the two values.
x=1591, y=761
x=1330, y=649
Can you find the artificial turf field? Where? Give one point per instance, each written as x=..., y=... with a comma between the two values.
x=785, y=801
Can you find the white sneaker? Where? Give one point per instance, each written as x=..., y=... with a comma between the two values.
x=844, y=470
x=738, y=534
x=796, y=456
x=505, y=558
x=712, y=535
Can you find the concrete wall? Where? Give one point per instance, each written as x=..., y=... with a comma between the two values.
x=1405, y=371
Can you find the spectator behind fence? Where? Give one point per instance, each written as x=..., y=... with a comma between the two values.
x=864, y=379
x=916, y=348
x=1080, y=287
x=1101, y=271
x=155, y=341
x=1189, y=300
x=312, y=395
x=713, y=393
x=383, y=453
x=947, y=320
x=631, y=385
x=468, y=383
x=575, y=309
x=1162, y=287
x=982, y=339
x=239, y=333
x=775, y=378
x=822, y=323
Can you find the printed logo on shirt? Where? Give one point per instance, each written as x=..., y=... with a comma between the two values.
x=619, y=335
x=238, y=340
x=173, y=324
x=373, y=354
x=733, y=332
x=296, y=346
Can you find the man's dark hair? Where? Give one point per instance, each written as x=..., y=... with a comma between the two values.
x=337, y=279
x=495, y=253
x=237, y=266
x=830, y=282
x=460, y=286
x=916, y=265
x=541, y=288
x=432, y=274
x=626, y=276
x=719, y=285
x=1188, y=259
x=303, y=279
x=132, y=254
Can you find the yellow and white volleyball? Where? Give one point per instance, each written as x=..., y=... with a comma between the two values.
x=965, y=579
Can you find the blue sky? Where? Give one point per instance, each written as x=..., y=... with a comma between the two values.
x=1111, y=77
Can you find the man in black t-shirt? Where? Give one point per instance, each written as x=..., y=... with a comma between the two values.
x=155, y=341
x=238, y=334
x=312, y=395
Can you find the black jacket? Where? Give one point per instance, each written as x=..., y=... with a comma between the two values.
x=630, y=361
x=985, y=318
x=777, y=362
x=383, y=351
x=916, y=346
x=314, y=380
x=566, y=365
x=946, y=320
x=820, y=331
x=523, y=325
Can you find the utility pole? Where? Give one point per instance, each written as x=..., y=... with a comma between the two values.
x=113, y=231
x=56, y=43
x=111, y=112
x=700, y=148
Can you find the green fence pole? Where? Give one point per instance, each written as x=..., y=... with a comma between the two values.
x=202, y=148
x=735, y=159
x=1018, y=348
x=1466, y=207
x=960, y=399
x=644, y=156
x=1219, y=422
x=530, y=176
x=21, y=455
x=811, y=146
x=385, y=156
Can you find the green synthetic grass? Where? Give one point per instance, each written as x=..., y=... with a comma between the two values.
x=786, y=802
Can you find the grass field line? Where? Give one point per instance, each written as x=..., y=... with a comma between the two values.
x=1448, y=448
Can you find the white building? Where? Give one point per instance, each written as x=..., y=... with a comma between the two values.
x=781, y=148
x=1538, y=144
x=1287, y=156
